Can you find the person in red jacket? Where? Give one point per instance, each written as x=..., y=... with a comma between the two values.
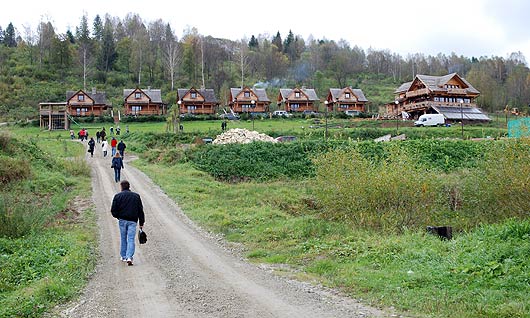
x=113, y=143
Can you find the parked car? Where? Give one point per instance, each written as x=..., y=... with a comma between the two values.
x=229, y=116
x=352, y=113
x=281, y=113
x=286, y=138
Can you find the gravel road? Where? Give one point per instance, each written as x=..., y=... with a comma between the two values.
x=183, y=271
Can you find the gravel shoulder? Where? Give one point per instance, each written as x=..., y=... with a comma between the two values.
x=183, y=271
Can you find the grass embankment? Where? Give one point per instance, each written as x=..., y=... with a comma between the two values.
x=482, y=272
x=47, y=238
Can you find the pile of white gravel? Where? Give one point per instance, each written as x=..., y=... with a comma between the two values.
x=241, y=136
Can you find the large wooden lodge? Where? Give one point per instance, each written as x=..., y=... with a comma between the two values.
x=343, y=99
x=450, y=95
x=248, y=100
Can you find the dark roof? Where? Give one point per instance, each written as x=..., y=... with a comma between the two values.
x=456, y=113
x=260, y=92
x=311, y=94
x=154, y=94
x=436, y=83
x=336, y=92
x=207, y=93
x=100, y=98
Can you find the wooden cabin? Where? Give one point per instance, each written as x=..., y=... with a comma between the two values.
x=80, y=103
x=343, y=99
x=248, y=100
x=450, y=95
x=139, y=102
x=297, y=99
x=53, y=116
x=197, y=101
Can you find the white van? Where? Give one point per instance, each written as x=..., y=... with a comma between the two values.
x=281, y=113
x=430, y=120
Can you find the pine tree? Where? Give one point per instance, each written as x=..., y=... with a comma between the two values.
x=98, y=28
x=277, y=41
x=108, y=48
x=253, y=44
x=9, y=36
x=1, y=35
x=70, y=37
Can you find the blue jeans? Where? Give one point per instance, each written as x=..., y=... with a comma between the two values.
x=127, y=234
x=113, y=151
x=117, y=174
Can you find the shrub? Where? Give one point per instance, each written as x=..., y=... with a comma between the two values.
x=389, y=193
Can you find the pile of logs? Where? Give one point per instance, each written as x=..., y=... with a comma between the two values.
x=241, y=136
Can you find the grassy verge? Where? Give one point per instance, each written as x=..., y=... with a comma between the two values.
x=47, y=233
x=482, y=273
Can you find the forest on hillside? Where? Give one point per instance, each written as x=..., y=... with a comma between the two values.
x=111, y=54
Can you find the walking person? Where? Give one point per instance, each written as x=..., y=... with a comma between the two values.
x=104, y=147
x=113, y=143
x=117, y=165
x=98, y=136
x=103, y=134
x=91, y=145
x=128, y=209
x=72, y=134
x=121, y=148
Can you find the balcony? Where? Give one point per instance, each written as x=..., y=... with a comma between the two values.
x=456, y=91
x=419, y=92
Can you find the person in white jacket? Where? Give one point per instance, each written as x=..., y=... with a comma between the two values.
x=105, y=146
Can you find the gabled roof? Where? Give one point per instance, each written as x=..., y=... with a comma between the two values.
x=336, y=92
x=100, y=98
x=310, y=93
x=260, y=92
x=207, y=93
x=436, y=83
x=154, y=94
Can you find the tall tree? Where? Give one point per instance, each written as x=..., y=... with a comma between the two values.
x=108, y=47
x=171, y=54
x=85, y=47
x=10, y=36
x=46, y=35
x=253, y=44
x=98, y=27
x=277, y=41
x=1, y=35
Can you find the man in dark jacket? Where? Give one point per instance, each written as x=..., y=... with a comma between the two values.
x=128, y=209
x=121, y=147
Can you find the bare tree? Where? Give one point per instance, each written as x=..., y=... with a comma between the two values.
x=171, y=54
x=242, y=55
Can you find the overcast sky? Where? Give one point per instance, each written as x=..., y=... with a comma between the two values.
x=466, y=27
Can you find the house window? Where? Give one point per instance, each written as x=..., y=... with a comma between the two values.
x=344, y=106
x=347, y=95
x=136, y=109
x=297, y=94
x=80, y=98
x=81, y=111
x=295, y=106
x=191, y=108
x=137, y=95
x=247, y=94
x=193, y=94
x=436, y=99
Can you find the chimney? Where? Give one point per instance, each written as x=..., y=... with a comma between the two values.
x=93, y=91
x=148, y=88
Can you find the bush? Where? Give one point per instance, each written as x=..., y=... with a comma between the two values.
x=389, y=193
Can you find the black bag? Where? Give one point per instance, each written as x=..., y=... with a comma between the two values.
x=142, y=237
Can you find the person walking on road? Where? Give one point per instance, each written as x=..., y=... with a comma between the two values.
x=91, y=145
x=121, y=148
x=105, y=147
x=113, y=143
x=128, y=209
x=117, y=165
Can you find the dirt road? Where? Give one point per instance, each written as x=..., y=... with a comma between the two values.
x=184, y=272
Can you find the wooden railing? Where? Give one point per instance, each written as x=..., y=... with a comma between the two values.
x=423, y=91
